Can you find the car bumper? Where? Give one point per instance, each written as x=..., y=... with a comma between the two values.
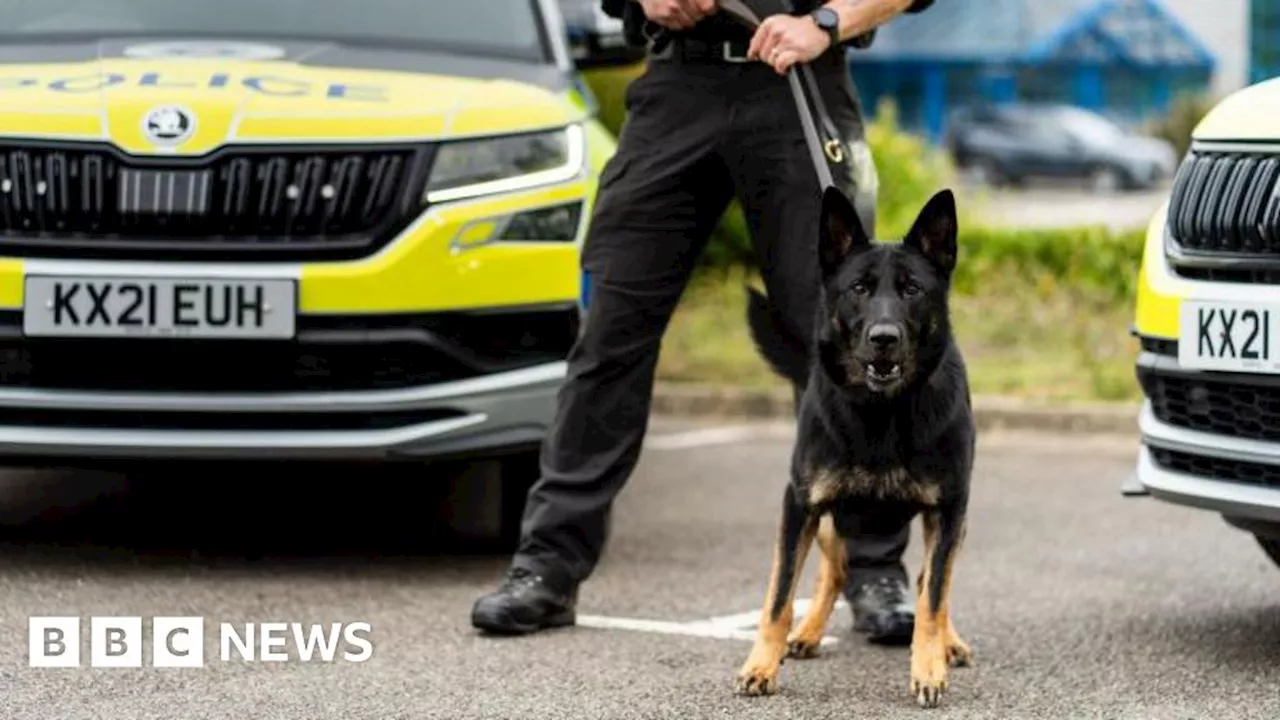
x=492, y=413
x=1196, y=447
x=423, y=351
x=1205, y=491
x=352, y=387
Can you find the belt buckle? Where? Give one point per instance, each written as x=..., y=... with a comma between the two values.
x=726, y=50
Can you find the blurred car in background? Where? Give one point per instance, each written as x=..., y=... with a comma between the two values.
x=1208, y=320
x=293, y=229
x=1012, y=144
x=595, y=39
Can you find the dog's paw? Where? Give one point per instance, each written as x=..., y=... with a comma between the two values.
x=929, y=677
x=959, y=654
x=927, y=695
x=802, y=648
x=755, y=680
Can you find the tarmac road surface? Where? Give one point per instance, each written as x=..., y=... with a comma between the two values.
x=1063, y=204
x=1078, y=603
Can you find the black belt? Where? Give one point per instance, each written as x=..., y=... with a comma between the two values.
x=704, y=50
x=821, y=151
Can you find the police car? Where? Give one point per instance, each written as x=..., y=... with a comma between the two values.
x=290, y=229
x=1208, y=318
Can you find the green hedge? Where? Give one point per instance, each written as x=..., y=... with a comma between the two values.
x=1094, y=261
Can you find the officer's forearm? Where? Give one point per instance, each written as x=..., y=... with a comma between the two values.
x=859, y=16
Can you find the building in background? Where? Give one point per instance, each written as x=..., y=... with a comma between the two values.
x=1264, y=40
x=1223, y=26
x=1124, y=58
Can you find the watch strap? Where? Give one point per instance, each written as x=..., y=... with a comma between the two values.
x=833, y=28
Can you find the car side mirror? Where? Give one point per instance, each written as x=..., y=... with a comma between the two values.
x=590, y=49
x=598, y=41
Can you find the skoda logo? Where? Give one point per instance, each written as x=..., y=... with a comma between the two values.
x=168, y=125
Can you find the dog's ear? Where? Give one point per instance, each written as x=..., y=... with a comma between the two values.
x=934, y=232
x=841, y=234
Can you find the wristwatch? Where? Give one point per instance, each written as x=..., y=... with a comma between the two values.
x=829, y=22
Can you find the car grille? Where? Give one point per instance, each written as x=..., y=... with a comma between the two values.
x=1240, y=471
x=1223, y=408
x=1255, y=276
x=370, y=353
x=238, y=203
x=1223, y=204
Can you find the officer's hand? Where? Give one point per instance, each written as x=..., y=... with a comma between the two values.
x=784, y=40
x=677, y=14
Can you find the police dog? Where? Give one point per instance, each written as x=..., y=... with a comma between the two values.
x=885, y=433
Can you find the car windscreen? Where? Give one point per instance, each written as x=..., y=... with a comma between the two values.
x=502, y=28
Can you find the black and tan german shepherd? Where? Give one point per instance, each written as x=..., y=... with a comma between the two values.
x=885, y=433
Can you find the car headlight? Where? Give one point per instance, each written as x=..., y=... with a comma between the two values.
x=470, y=168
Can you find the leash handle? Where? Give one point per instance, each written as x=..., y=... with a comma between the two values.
x=820, y=152
x=817, y=150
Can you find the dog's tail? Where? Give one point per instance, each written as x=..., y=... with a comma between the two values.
x=785, y=352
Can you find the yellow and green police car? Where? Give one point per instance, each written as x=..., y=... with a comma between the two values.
x=290, y=229
x=1208, y=318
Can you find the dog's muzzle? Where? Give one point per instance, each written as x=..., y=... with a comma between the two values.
x=885, y=365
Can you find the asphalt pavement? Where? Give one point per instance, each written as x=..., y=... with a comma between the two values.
x=1078, y=603
x=1064, y=205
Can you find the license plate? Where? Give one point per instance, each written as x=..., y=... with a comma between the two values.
x=63, y=306
x=1238, y=337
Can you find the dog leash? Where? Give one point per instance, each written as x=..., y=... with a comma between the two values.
x=822, y=152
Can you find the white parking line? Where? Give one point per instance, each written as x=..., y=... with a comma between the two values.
x=749, y=620
x=739, y=626
x=689, y=629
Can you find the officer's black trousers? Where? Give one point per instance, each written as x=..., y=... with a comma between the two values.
x=698, y=133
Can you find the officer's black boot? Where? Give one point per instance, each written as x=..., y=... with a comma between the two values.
x=525, y=602
x=883, y=609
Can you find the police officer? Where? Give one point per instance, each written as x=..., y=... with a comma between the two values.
x=710, y=119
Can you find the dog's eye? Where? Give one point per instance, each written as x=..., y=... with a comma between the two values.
x=859, y=289
x=911, y=288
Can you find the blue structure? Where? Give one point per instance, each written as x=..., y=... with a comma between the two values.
x=1264, y=40
x=1124, y=58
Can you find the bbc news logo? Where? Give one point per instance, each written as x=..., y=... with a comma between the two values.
x=179, y=642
